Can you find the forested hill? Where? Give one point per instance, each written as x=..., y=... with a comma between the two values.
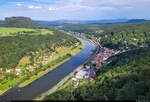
x=125, y=78
x=125, y=35
x=21, y=22
x=16, y=42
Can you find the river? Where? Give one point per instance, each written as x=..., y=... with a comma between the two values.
x=50, y=79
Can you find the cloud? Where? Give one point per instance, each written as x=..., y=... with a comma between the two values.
x=19, y=4
x=34, y=7
x=52, y=9
x=85, y=9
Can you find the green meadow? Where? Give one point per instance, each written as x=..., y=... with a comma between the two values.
x=15, y=31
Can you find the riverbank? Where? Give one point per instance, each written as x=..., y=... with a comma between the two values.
x=64, y=56
x=52, y=78
x=55, y=88
x=72, y=52
x=66, y=80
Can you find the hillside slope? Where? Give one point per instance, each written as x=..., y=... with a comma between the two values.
x=25, y=42
x=130, y=35
x=20, y=22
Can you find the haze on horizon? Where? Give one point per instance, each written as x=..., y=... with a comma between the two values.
x=76, y=9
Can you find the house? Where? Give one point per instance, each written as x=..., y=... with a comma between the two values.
x=98, y=65
x=2, y=77
x=93, y=61
x=35, y=64
x=134, y=39
x=82, y=74
x=105, y=58
x=8, y=71
x=87, y=66
x=92, y=73
x=17, y=73
x=74, y=79
x=1, y=69
x=43, y=60
x=29, y=67
x=46, y=57
x=76, y=83
x=18, y=69
x=32, y=69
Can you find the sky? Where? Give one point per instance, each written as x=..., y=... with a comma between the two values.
x=76, y=9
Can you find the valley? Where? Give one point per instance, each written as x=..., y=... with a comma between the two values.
x=50, y=65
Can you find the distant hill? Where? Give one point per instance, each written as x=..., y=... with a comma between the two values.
x=136, y=20
x=20, y=22
x=1, y=20
x=59, y=23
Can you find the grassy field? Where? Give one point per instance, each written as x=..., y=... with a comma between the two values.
x=73, y=52
x=13, y=31
x=45, y=31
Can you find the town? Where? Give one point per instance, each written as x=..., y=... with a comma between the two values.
x=88, y=70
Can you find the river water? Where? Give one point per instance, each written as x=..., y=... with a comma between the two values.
x=50, y=79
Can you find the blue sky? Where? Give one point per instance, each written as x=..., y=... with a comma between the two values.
x=75, y=9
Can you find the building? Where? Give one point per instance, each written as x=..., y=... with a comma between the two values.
x=2, y=77
x=82, y=74
x=17, y=73
x=87, y=66
x=75, y=81
x=8, y=71
x=1, y=69
x=92, y=74
x=18, y=69
x=98, y=65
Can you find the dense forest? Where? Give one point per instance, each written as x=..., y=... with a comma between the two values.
x=125, y=78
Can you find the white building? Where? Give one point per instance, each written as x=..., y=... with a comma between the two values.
x=82, y=74
x=8, y=70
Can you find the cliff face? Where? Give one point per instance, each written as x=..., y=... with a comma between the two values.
x=7, y=19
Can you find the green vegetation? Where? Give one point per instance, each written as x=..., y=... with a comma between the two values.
x=27, y=48
x=15, y=47
x=21, y=22
x=81, y=28
x=131, y=35
x=116, y=36
x=4, y=32
x=13, y=30
x=62, y=57
x=125, y=78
